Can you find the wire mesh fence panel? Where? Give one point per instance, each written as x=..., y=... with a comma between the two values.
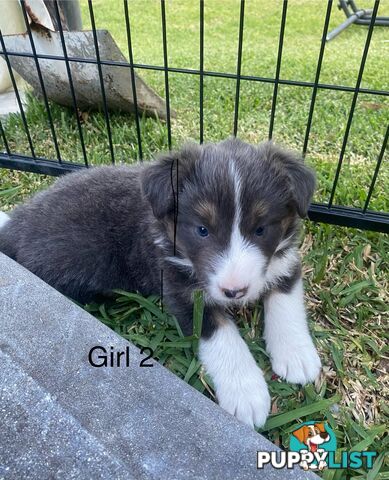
x=213, y=83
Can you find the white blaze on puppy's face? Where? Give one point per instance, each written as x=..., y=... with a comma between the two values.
x=239, y=270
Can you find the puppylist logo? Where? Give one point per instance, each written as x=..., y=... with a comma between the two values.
x=314, y=441
x=312, y=445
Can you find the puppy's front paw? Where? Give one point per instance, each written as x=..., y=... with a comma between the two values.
x=296, y=363
x=246, y=397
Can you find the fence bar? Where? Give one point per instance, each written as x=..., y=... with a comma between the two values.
x=165, y=68
x=349, y=217
x=40, y=165
x=377, y=168
x=168, y=122
x=133, y=83
x=39, y=72
x=18, y=99
x=207, y=73
x=175, y=202
x=354, y=101
x=239, y=66
x=337, y=215
x=101, y=78
x=4, y=139
x=71, y=85
x=201, y=126
x=318, y=70
x=278, y=67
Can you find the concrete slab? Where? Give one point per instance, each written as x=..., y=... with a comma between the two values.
x=63, y=418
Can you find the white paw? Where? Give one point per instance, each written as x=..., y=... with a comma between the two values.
x=296, y=363
x=247, y=397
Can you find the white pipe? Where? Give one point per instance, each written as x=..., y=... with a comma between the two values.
x=11, y=21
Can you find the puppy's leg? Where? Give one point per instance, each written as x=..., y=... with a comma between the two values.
x=292, y=352
x=240, y=386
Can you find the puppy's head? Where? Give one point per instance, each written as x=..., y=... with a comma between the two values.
x=312, y=435
x=234, y=205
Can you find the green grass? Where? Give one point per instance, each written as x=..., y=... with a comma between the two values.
x=346, y=271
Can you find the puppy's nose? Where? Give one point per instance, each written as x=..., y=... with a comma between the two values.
x=236, y=293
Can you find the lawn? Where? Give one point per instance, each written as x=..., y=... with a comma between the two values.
x=346, y=270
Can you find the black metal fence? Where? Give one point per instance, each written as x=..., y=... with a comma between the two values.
x=325, y=212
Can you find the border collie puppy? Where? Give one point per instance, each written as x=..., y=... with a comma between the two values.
x=220, y=217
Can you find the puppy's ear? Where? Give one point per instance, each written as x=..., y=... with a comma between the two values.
x=302, y=180
x=321, y=427
x=301, y=434
x=164, y=179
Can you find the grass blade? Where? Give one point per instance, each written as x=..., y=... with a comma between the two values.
x=198, y=312
x=287, y=417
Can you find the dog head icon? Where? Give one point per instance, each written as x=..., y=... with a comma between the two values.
x=312, y=435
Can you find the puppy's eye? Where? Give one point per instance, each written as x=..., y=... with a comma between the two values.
x=202, y=231
x=259, y=231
